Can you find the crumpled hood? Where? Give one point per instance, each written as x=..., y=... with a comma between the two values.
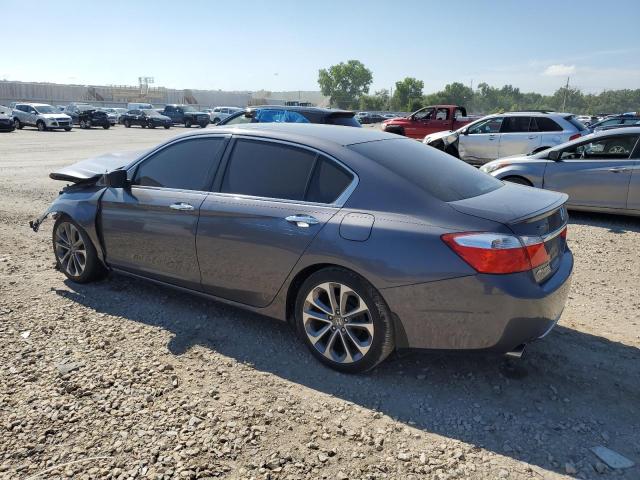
x=447, y=136
x=93, y=168
x=55, y=116
x=510, y=203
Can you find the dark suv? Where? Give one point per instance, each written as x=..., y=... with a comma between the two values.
x=187, y=115
x=292, y=114
x=87, y=116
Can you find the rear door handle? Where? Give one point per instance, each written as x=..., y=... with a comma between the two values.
x=302, y=221
x=181, y=206
x=531, y=137
x=618, y=169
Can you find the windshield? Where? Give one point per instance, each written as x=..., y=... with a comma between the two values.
x=84, y=108
x=188, y=108
x=439, y=174
x=46, y=109
x=151, y=113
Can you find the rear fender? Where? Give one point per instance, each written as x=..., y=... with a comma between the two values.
x=82, y=206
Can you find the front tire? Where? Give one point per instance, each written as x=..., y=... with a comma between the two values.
x=107, y=126
x=187, y=123
x=344, y=321
x=41, y=126
x=84, y=124
x=167, y=127
x=18, y=124
x=67, y=129
x=127, y=124
x=75, y=254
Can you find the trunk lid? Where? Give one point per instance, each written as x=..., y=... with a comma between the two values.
x=93, y=168
x=530, y=213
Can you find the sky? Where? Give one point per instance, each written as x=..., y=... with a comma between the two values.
x=280, y=45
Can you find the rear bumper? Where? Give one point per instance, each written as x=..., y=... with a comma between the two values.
x=479, y=312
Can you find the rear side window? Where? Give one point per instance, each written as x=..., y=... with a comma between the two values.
x=515, y=124
x=573, y=120
x=442, y=176
x=545, y=124
x=329, y=180
x=268, y=169
x=186, y=165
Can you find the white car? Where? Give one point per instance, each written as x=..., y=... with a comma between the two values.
x=220, y=113
x=41, y=115
x=505, y=134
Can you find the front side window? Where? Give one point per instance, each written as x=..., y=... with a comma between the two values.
x=618, y=147
x=267, y=169
x=490, y=125
x=186, y=165
x=515, y=124
x=423, y=114
x=239, y=120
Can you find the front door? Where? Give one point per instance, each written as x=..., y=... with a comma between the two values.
x=481, y=142
x=268, y=210
x=150, y=228
x=594, y=173
x=418, y=127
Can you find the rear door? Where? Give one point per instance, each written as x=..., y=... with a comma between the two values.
x=481, y=142
x=594, y=173
x=272, y=200
x=150, y=228
x=515, y=137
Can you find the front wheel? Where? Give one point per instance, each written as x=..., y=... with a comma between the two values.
x=67, y=129
x=18, y=124
x=203, y=125
x=84, y=124
x=167, y=127
x=187, y=123
x=41, y=126
x=344, y=321
x=151, y=125
x=518, y=180
x=75, y=254
x=107, y=126
x=127, y=124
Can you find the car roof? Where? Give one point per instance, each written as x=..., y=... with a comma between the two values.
x=298, y=108
x=312, y=134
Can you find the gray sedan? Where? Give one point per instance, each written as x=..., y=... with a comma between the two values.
x=364, y=241
x=600, y=172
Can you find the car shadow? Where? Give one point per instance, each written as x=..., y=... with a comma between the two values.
x=570, y=392
x=614, y=223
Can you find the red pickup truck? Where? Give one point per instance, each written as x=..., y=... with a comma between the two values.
x=428, y=120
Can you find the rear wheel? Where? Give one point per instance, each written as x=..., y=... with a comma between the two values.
x=203, y=125
x=75, y=254
x=67, y=129
x=518, y=180
x=216, y=120
x=344, y=321
x=107, y=126
x=151, y=125
x=167, y=127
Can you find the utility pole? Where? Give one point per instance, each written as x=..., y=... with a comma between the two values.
x=566, y=90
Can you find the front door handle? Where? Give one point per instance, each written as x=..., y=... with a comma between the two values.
x=302, y=220
x=181, y=206
x=618, y=169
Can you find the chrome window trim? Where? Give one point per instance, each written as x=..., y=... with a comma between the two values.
x=338, y=202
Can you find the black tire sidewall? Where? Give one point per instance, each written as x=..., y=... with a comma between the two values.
x=379, y=311
x=94, y=268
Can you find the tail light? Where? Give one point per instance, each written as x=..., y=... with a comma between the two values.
x=499, y=253
x=574, y=136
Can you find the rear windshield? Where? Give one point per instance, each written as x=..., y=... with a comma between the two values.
x=347, y=121
x=573, y=120
x=439, y=174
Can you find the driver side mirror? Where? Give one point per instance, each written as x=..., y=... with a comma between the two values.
x=117, y=179
x=554, y=155
x=465, y=131
x=249, y=114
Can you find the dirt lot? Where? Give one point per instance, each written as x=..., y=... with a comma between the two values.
x=123, y=379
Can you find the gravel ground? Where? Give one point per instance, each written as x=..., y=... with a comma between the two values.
x=124, y=379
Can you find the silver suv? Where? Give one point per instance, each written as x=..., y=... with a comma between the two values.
x=505, y=134
x=220, y=113
x=40, y=115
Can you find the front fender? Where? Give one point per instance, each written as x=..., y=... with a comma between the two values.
x=82, y=205
x=535, y=175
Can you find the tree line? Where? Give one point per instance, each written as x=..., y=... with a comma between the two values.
x=347, y=86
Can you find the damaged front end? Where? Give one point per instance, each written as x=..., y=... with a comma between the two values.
x=445, y=141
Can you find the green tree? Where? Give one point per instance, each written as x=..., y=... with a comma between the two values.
x=406, y=91
x=345, y=83
x=379, y=101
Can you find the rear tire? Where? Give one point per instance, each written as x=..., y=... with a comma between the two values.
x=216, y=120
x=167, y=127
x=357, y=333
x=107, y=126
x=203, y=125
x=67, y=129
x=518, y=180
x=75, y=254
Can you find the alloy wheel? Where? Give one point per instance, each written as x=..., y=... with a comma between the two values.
x=337, y=322
x=71, y=251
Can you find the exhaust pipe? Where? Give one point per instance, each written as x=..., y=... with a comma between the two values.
x=516, y=353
